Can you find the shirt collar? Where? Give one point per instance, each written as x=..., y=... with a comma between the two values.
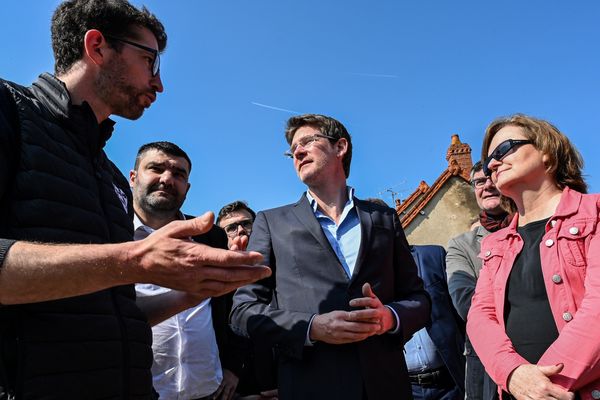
x=139, y=225
x=313, y=202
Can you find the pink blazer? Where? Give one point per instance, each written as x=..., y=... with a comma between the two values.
x=570, y=257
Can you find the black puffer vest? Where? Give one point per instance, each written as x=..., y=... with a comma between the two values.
x=65, y=190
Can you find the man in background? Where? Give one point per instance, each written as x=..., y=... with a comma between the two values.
x=196, y=356
x=236, y=219
x=462, y=267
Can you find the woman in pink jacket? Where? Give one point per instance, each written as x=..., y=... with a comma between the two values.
x=535, y=316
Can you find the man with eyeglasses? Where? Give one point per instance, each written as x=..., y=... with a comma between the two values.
x=344, y=296
x=462, y=268
x=236, y=219
x=70, y=327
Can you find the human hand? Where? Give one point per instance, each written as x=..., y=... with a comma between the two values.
x=374, y=311
x=338, y=327
x=226, y=390
x=239, y=242
x=169, y=258
x=530, y=381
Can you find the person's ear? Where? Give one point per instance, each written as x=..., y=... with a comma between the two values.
x=341, y=147
x=95, y=46
x=132, y=176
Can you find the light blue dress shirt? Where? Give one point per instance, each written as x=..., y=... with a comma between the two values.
x=344, y=238
x=421, y=353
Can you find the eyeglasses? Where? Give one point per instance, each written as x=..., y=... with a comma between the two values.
x=155, y=62
x=500, y=152
x=305, y=142
x=480, y=182
x=232, y=229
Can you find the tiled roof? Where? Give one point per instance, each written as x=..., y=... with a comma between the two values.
x=459, y=165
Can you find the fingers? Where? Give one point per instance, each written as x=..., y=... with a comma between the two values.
x=367, y=302
x=214, y=288
x=239, y=243
x=550, y=370
x=367, y=291
x=232, y=274
x=190, y=227
x=369, y=314
x=556, y=391
x=207, y=255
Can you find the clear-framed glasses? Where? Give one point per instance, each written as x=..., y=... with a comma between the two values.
x=305, y=143
x=155, y=61
x=500, y=152
x=479, y=183
x=232, y=229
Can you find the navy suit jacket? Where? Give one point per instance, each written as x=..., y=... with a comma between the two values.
x=308, y=279
x=446, y=329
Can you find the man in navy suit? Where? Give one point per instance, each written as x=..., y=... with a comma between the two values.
x=434, y=355
x=344, y=296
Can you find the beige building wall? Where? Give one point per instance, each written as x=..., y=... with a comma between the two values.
x=449, y=213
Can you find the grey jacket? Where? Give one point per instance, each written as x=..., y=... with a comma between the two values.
x=462, y=267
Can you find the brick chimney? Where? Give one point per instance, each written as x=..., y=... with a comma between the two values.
x=459, y=158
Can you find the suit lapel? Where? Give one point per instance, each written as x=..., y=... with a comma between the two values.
x=306, y=216
x=366, y=227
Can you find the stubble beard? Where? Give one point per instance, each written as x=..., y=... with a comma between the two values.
x=121, y=97
x=153, y=204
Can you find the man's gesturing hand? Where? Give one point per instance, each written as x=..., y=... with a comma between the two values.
x=169, y=258
x=374, y=311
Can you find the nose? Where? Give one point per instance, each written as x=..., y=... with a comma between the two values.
x=489, y=184
x=156, y=83
x=493, y=164
x=241, y=230
x=299, y=152
x=166, y=177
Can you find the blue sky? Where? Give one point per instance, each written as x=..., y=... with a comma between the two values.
x=402, y=76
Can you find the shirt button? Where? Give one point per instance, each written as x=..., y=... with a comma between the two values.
x=596, y=394
x=549, y=243
x=574, y=231
x=488, y=253
x=556, y=278
x=567, y=316
x=552, y=223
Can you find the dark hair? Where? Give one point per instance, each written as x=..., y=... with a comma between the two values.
x=73, y=18
x=478, y=166
x=327, y=126
x=564, y=161
x=232, y=207
x=378, y=201
x=166, y=147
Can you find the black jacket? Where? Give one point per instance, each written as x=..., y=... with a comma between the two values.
x=57, y=185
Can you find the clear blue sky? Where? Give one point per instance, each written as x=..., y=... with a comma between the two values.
x=403, y=76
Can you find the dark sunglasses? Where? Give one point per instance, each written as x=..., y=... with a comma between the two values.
x=500, y=152
x=155, y=62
